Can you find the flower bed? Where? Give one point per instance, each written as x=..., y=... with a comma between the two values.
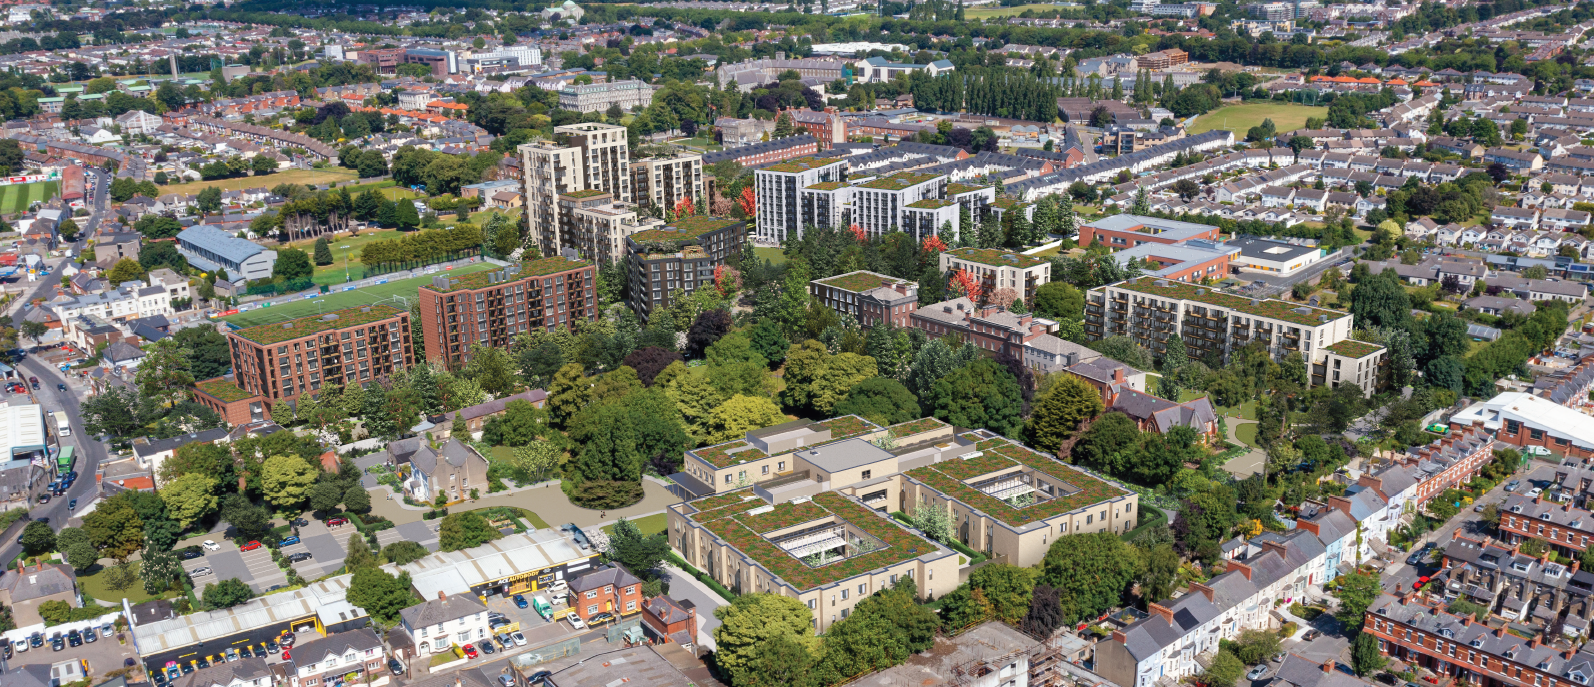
x=721, y=456
x=785, y=515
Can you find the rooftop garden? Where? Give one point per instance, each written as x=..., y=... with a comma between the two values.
x=848, y=426
x=1278, y=310
x=684, y=229
x=971, y=468
x=827, y=185
x=860, y=281
x=900, y=544
x=529, y=268
x=584, y=193
x=913, y=427
x=897, y=182
x=1010, y=203
x=802, y=164
x=223, y=390
x=960, y=189
x=942, y=477
x=789, y=514
x=726, y=455
x=1354, y=349
x=315, y=324
x=931, y=203
x=996, y=258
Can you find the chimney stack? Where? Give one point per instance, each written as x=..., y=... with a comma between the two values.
x=1159, y=609
x=442, y=596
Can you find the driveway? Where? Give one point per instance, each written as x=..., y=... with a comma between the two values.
x=684, y=587
x=547, y=501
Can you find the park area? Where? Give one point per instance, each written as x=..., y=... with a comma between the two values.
x=16, y=198
x=306, y=177
x=992, y=12
x=345, y=299
x=1240, y=118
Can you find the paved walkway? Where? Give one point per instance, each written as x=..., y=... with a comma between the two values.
x=1248, y=463
x=546, y=500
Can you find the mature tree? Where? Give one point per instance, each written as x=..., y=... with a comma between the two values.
x=380, y=594
x=325, y=497
x=37, y=538
x=226, y=594
x=34, y=330
x=981, y=394
x=640, y=553
x=114, y=412
x=1045, y=613
x=159, y=567
x=1160, y=572
x=465, y=530
x=736, y=416
x=750, y=622
x=360, y=554
x=285, y=480
x=1090, y=572
x=709, y=326
x=80, y=552
x=1124, y=350
x=816, y=380
x=249, y=520
x=782, y=661
x=1059, y=300
x=494, y=370
x=206, y=351
x=115, y=528
x=323, y=252
x=402, y=552
x=1007, y=588
x=126, y=270
x=569, y=393
x=1226, y=669
x=880, y=400
x=164, y=375
x=1365, y=656
x=292, y=264
x=356, y=499
x=883, y=630
x=1058, y=415
x=1357, y=591
x=1380, y=300
x=189, y=498
x=650, y=361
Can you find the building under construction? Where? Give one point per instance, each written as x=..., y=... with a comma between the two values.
x=991, y=655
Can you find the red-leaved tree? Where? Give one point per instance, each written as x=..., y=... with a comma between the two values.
x=728, y=280
x=684, y=208
x=934, y=244
x=749, y=202
x=857, y=233
x=968, y=284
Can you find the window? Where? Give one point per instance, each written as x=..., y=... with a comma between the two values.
x=866, y=473
x=593, y=608
x=592, y=594
x=630, y=590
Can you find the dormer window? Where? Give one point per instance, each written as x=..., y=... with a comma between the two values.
x=1477, y=642
x=1544, y=516
x=1446, y=632
x=1544, y=665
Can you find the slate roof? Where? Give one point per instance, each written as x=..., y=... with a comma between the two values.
x=1164, y=414
x=437, y=611
x=603, y=577
x=336, y=645
x=37, y=583
x=162, y=445
x=224, y=674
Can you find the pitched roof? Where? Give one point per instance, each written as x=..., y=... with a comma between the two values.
x=436, y=611
x=602, y=577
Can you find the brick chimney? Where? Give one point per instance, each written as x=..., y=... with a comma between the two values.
x=1118, y=375
x=1119, y=636
x=1328, y=666
x=1159, y=609
x=1466, y=620
x=1243, y=568
x=442, y=596
x=1339, y=503
x=1309, y=526
x=1205, y=590
x=1275, y=547
x=1499, y=632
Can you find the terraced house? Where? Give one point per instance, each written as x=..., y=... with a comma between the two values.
x=282, y=361
x=1150, y=310
x=1419, y=631
x=799, y=509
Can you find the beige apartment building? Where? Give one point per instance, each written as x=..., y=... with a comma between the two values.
x=796, y=508
x=582, y=157
x=998, y=269
x=594, y=217
x=666, y=181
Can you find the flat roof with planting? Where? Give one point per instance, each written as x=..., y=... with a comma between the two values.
x=801, y=164
x=1353, y=349
x=996, y=258
x=685, y=228
x=529, y=268
x=897, y=182
x=861, y=280
x=307, y=326
x=996, y=454
x=1279, y=310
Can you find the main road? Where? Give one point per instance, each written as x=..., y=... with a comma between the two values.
x=91, y=453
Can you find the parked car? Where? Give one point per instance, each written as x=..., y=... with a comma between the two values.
x=520, y=601
x=56, y=643
x=1419, y=555
x=1311, y=635
x=71, y=505
x=520, y=639
x=337, y=521
x=290, y=541
x=73, y=638
x=506, y=681
x=187, y=555
x=246, y=652
x=60, y=387
x=1257, y=672
x=211, y=545
x=251, y=546
x=394, y=667
x=286, y=640
x=575, y=621
x=106, y=629
x=299, y=557
x=199, y=571
x=600, y=619
x=470, y=651
x=37, y=640
x=539, y=678
x=91, y=636
x=44, y=498
x=487, y=648
x=232, y=654
x=1534, y=492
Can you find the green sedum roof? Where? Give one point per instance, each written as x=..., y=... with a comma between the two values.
x=223, y=390
x=1353, y=349
x=685, y=229
x=861, y=281
x=315, y=324
x=897, y=182
x=1279, y=310
x=949, y=477
x=996, y=258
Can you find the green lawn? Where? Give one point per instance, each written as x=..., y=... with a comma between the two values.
x=775, y=256
x=648, y=524
x=344, y=246
x=1246, y=433
x=1240, y=118
x=981, y=13
x=94, y=585
x=345, y=299
x=17, y=197
x=1246, y=411
x=309, y=177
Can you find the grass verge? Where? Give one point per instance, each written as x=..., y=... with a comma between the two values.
x=648, y=525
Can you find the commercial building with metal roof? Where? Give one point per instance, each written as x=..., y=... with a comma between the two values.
x=517, y=563
x=209, y=248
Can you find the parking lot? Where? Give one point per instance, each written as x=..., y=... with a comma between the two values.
x=327, y=548
x=255, y=568
x=423, y=532
x=103, y=655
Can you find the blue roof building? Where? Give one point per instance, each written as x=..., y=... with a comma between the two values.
x=211, y=249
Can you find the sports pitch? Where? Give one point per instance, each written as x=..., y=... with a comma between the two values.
x=337, y=300
x=17, y=197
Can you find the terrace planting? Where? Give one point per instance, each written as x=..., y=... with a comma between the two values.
x=860, y=281
x=307, y=326
x=1278, y=310
x=224, y=390
x=995, y=258
x=948, y=478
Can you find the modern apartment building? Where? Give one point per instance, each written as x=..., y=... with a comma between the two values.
x=1000, y=269
x=778, y=186
x=594, y=217
x=680, y=256
x=878, y=206
x=284, y=360
x=1149, y=310
x=869, y=297
x=666, y=181
x=459, y=313
x=582, y=157
x=799, y=509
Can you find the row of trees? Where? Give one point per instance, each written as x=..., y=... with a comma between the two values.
x=428, y=245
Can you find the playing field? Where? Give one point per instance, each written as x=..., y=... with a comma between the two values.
x=983, y=13
x=17, y=197
x=319, y=178
x=341, y=271
x=1240, y=118
x=337, y=300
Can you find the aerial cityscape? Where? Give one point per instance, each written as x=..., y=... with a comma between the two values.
x=983, y=343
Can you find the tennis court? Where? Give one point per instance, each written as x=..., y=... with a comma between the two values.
x=337, y=300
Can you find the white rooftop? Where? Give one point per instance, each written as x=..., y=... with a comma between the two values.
x=1534, y=412
x=23, y=431
x=456, y=572
x=324, y=599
